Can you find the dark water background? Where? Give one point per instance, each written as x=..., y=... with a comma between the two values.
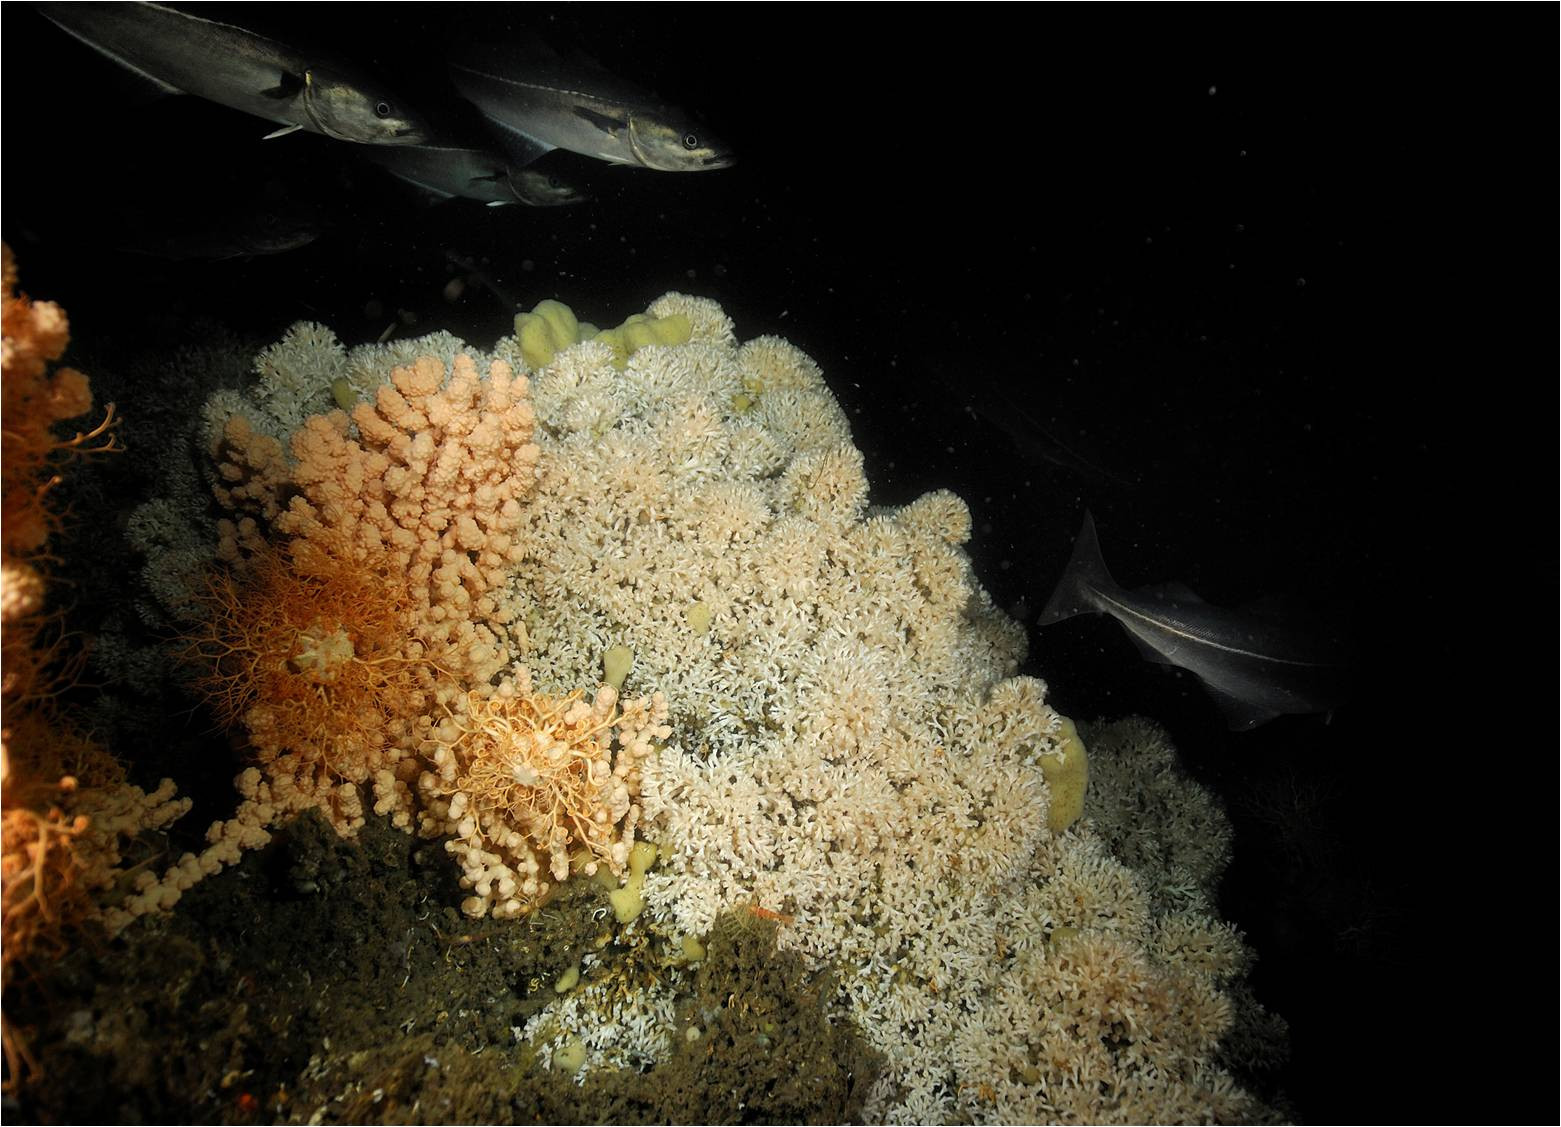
x=1211, y=252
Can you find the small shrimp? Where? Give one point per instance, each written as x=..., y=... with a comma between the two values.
x=767, y=914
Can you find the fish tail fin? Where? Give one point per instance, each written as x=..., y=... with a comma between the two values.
x=1085, y=574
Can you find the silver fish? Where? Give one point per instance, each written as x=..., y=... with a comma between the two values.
x=1253, y=666
x=1022, y=422
x=449, y=171
x=248, y=233
x=186, y=54
x=542, y=103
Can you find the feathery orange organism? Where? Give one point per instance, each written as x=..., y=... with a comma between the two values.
x=315, y=654
x=532, y=788
x=33, y=399
x=542, y=767
x=44, y=891
x=45, y=876
x=537, y=762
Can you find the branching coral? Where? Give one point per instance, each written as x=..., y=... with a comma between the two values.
x=66, y=808
x=36, y=397
x=362, y=574
x=315, y=656
x=854, y=753
x=433, y=482
x=530, y=788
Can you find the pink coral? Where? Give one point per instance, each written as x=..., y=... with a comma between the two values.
x=433, y=482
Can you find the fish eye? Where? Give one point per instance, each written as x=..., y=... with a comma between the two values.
x=382, y=109
x=690, y=142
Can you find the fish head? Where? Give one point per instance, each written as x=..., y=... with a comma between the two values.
x=535, y=188
x=669, y=142
x=348, y=109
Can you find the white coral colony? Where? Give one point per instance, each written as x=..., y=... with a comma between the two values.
x=814, y=717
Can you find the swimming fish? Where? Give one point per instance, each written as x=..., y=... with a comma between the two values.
x=539, y=102
x=183, y=53
x=248, y=231
x=1254, y=666
x=1036, y=438
x=449, y=171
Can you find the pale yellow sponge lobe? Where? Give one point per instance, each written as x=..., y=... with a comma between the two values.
x=544, y=332
x=552, y=326
x=1067, y=777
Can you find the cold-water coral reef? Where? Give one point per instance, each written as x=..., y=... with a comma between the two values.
x=380, y=545
x=418, y=598
x=68, y=812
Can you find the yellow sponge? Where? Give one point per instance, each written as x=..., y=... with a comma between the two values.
x=546, y=331
x=1067, y=777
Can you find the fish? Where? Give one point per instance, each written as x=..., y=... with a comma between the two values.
x=1033, y=440
x=1255, y=665
x=540, y=102
x=451, y=171
x=182, y=53
x=249, y=232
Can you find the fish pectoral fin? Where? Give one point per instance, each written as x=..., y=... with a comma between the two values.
x=288, y=85
x=606, y=122
x=282, y=132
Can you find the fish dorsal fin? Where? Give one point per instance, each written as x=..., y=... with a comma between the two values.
x=1084, y=580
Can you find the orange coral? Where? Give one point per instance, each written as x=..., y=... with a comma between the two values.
x=42, y=898
x=32, y=400
x=379, y=593
x=315, y=655
x=433, y=479
x=45, y=875
x=43, y=889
